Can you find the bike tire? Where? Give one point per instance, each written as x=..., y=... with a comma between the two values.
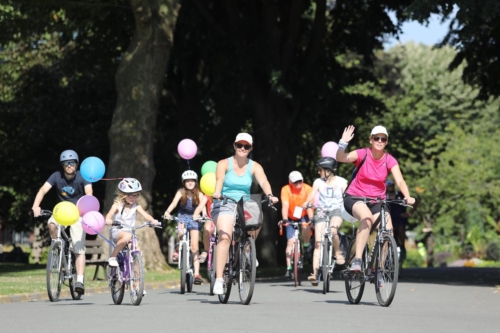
x=247, y=271
x=136, y=279
x=354, y=282
x=116, y=286
x=190, y=275
x=296, y=258
x=325, y=271
x=211, y=270
x=227, y=275
x=53, y=272
x=74, y=294
x=183, y=261
x=386, y=265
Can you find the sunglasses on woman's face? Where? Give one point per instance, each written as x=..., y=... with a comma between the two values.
x=136, y=195
x=241, y=145
x=380, y=138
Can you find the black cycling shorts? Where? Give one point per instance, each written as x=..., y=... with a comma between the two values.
x=349, y=202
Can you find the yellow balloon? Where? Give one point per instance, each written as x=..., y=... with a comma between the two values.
x=207, y=183
x=66, y=213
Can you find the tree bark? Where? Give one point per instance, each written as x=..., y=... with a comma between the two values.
x=139, y=82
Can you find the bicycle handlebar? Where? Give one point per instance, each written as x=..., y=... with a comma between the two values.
x=401, y=202
x=267, y=200
x=144, y=224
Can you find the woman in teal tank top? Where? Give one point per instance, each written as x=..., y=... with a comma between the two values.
x=234, y=176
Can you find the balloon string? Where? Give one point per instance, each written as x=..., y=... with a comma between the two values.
x=110, y=243
x=189, y=166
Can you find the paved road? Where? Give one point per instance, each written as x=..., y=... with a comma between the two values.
x=277, y=306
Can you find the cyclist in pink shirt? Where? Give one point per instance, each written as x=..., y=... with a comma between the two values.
x=369, y=182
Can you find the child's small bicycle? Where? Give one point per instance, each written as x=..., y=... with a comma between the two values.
x=130, y=271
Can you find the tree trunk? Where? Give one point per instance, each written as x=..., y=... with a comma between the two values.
x=139, y=82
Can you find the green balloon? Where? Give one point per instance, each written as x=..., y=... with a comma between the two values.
x=208, y=166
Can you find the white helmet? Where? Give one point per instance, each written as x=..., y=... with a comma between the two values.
x=189, y=174
x=129, y=185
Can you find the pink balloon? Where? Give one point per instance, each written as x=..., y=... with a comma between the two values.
x=87, y=203
x=93, y=222
x=187, y=149
x=329, y=149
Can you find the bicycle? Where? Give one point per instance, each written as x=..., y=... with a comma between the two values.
x=60, y=263
x=185, y=261
x=130, y=271
x=327, y=261
x=295, y=254
x=211, y=258
x=241, y=264
x=381, y=265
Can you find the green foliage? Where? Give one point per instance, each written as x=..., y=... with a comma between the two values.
x=413, y=259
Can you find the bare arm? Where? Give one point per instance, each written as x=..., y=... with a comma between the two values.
x=201, y=207
x=88, y=189
x=109, y=216
x=259, y=174
x=311, y=195
x=220, y=175
x=146, y=216
x=398, y=178
x=173, y=204
x=39, y=197
x=342, y=155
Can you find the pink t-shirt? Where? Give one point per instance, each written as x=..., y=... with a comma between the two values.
x=370, y=180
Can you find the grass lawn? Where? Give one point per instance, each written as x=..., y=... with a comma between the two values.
x=24, y=278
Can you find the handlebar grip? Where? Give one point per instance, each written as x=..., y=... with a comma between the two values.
x=281, y=231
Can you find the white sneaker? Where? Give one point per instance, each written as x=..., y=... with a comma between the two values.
x=144, y=293
x=219, y=286
x=256, y=263
x=112, y=262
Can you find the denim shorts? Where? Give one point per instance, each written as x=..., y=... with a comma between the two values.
x=290, y=231
x=222, y=209
x=320, y=215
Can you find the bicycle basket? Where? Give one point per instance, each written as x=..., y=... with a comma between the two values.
x=250, y=210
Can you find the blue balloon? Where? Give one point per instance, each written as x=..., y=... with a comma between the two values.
x=92, y=169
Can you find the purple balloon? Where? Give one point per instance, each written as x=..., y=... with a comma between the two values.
x=187, y=149
x=93, y=222
x=329, y=149
x=87, y=203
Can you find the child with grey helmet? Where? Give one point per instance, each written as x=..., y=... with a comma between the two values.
x=330, y=188
x=124, y=210
x=190, y=198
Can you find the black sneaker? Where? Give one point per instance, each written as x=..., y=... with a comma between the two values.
x=307, y=252
x=288, y=273
x=80, y=288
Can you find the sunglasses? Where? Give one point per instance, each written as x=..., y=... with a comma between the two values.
x=66, y=164
x=379, y=138
x=240, y=145
x=297, y=182
x=136, y=195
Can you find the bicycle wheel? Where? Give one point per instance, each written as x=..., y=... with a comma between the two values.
x=386, y=276
x=54, y=276
x=190, y=274
x=72, y=280
x=183, y=261
x=354, y=282
x=211, y=270
x=325, y=271
x=117, y=288
x=228, y=277
x=137, y=279
x=296, y=258
x=247, y=272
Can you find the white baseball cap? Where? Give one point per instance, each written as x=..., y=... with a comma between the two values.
x=244, y=137
x=379, y=130
x=295, y=176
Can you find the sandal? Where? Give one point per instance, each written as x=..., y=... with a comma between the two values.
x=339, y=258
x=197, y=279
x=202, y=257
x=312, y=278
